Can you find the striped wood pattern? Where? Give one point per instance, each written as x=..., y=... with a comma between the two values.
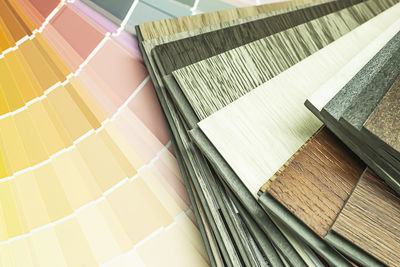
x=269, y=124
x=371, y=219
x=155, y=29
x=211, y=84
x=317, y=180
x=178, y=54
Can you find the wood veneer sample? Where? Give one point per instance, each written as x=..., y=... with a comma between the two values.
x=180, y=53
x=371, y=219
x=384, y=122
x=150, y=30
x=315, y=183
x=213, y=83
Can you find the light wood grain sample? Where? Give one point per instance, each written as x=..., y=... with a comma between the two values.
x=384, y=122
x=270, y=123
x=156, y=29
x=211, y=84
x=180, y=53
x=370, y=219
x=317, y=180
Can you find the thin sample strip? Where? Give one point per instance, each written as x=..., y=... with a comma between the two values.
x=369, y=219
x=383, y=124
x=115, y=11
x=232, y=119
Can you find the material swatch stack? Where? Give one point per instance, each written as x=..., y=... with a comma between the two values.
x=268, y=182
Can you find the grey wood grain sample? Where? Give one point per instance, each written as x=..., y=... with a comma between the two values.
x=211, y=84
x=180, y=53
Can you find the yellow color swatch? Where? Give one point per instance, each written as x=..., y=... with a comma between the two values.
x=13, y=145
x=25, y=86
x=34, y=148
x=74, y=245
x=88, y=99
x=99, y=236
x=118, y=155
x=101, y=162
x=31, y=76
x=46, y=130
x=71, y=181
x=52, y=192
x=38, y=65
x=57, y=123
x=69, y=113
x=82, y=106
x=137, y=219
x=83, y=169
x=11, y=216
x=47, y=249
x=20, y=251
x=32, y=203
x=10, y=88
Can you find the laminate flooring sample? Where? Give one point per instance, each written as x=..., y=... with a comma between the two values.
x=208, y=89
x=183, y=52
x=315, y=183
x=371, y=219
x=174, y=117
x=384, y=122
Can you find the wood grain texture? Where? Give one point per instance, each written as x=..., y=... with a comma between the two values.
x=151, y=30
x=211, y=84
x=384, y=122
x=371, y=219
x=317, y=180
x=270, y=123
x=180, y=53
x=178, y=129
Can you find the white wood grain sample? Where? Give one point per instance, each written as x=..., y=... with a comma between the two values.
x=260, y=131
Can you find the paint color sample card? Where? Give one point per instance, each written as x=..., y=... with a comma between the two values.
x=83, y=145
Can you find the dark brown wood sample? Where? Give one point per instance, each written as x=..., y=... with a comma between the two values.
x=371, y=219
x=317, y=180
x=384, y=122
